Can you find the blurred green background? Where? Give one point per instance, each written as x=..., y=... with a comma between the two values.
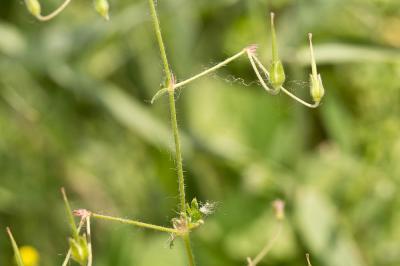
x=75, y=112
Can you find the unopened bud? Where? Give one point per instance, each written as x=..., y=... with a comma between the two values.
x=276, y=71
x=279, y=208
x=317, y=90
x=33, y=7
x=79, y=250
x=102, y=7
x=276, y=74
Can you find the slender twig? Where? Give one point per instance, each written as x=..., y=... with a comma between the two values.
x=89, y=241
x=315, y=105
x=308, y=259
x=135, y=223
x=267, y=248
x=263, y=84
x=55, y=12
x=212, y=69
x=202, y=74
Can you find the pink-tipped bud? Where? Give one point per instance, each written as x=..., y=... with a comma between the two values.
x=279, y=208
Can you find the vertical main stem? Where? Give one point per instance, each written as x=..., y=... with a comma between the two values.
x=174, y=124
x=178, y=153
x=160, y=41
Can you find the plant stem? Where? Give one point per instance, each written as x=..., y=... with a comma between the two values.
x=315, y=105
x=174, y=125
x=160, y=41
x=188, y=248
x=178, y=152
x=202, y=74
x=136, y=223
x=212, y=69
x=267, y=247
x=55, y=12
x=89, y=241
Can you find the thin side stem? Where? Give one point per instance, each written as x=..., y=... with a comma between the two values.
x=266, y=249
x=89, y=241
x=135, y=223
x=263, y=84
x=200, y=75
x=212, y=69
x=188, y=248
x=55, y=12
x=68, y=256
x=315, y=105
x=308, y=259
x=157, y=30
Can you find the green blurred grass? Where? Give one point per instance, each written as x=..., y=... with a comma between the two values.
x=75, y=112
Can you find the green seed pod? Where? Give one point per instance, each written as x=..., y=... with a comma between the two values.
x=317, y=90
x=276, y=70
x=33, y=7
x=79, y=250
x=276, y=74
x=102, y=7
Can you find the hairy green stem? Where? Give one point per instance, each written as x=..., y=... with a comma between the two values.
x=160, y=41
x=178, y=152
x=135, y=223
x=174, y=124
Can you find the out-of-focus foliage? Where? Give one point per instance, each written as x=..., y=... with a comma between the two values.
x=75, y=112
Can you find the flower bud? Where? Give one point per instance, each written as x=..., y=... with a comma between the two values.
x=317, y=90
x=276, y=74
x=276, y=71
x=79, y=249
x=102, y=7
x=33, y=7
x=279, y=208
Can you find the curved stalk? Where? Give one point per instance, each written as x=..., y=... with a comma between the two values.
x=55, y=12
x=315, y=105
x=266, y=249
